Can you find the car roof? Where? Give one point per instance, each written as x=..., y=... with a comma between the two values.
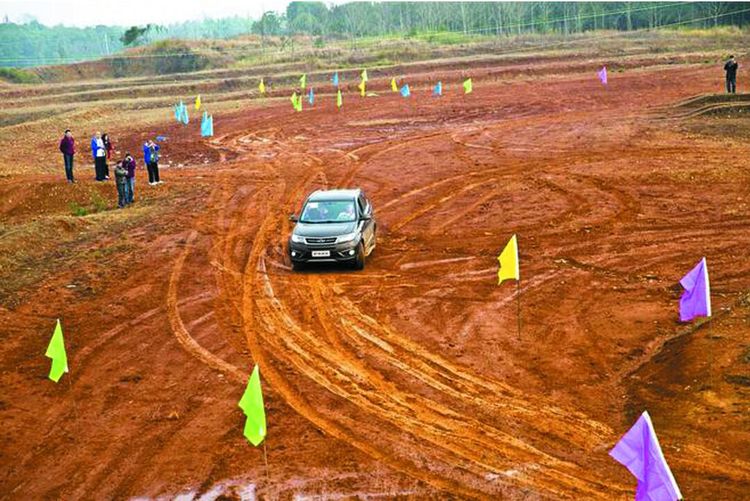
x=334, y=195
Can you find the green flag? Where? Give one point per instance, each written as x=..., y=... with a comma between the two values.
x=339, y=99
x=303, y=82
x=56, y=351
x=467, y=86
x=296, y=102
x=251, y=404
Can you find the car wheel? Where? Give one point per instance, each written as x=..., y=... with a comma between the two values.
x=359, y=261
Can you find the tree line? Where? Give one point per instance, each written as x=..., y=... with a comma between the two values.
x=33, y=44
x=495, y=18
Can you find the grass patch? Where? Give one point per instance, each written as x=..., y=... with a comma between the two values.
x=77, y=210
x=19, y=76
x=97, y=203
x=447, y=37
x=718, y=31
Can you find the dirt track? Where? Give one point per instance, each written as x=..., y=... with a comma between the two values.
x=408, y=378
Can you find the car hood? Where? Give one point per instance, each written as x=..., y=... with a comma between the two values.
x=324, y=229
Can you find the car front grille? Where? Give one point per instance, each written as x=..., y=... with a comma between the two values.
x=327, y=240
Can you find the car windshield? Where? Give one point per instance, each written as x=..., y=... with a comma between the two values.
x=329, y=211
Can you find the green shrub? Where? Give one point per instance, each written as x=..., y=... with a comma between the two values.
x=16, y=75
x=77, y=210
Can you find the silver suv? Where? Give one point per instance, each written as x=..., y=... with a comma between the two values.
x=334, y=226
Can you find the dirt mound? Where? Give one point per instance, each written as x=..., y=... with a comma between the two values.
x=720, y=105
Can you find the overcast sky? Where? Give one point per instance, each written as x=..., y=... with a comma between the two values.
x=130, y=12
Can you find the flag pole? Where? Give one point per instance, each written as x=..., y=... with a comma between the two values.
x=75, y=406
x=710, y=349
x=265, y=460
x=518, y=305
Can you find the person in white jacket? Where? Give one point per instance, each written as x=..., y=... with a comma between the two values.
x=100, y=157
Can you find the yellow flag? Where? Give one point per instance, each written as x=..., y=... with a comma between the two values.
x=364, y=75
x=508, y=260
x=361, y=88
x=339, y=99
x=198, y=102
x=262, y=87
x=394, y=87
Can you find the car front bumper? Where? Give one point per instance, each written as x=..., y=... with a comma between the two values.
x=303, y=253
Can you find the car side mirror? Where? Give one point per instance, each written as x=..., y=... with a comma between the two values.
x=293, y=218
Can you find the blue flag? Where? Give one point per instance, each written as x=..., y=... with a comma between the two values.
x=204, y=125
x=183, y=114
x=405, y=91
x=438, y=90
x=311, y=97
x=639, y=451
x=335, y=79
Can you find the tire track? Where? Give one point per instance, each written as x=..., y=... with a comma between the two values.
x=284, y=388
x=372, y=398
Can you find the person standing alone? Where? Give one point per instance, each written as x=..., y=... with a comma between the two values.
x=731, y=68
x=68, y=149
x=100, y=157
x=151, y=157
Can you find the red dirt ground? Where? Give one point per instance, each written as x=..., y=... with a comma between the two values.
x=407, y=379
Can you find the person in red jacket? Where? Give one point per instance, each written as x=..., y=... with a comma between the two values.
x=68, y=149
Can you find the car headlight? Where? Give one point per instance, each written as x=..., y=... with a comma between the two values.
x=346, y=238
x=298, y=239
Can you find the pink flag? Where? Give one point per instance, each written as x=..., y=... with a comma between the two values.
x=603, y=75
x=639, y=451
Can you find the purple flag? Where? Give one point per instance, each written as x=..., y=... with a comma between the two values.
x=639, y=451
x=603, y=75
x=696, y=300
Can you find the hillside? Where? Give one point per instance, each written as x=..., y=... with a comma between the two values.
x=418, y=377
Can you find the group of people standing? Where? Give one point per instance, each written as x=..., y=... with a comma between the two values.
x=101, y=151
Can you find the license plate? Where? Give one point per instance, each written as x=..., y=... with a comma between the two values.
x=321, y=253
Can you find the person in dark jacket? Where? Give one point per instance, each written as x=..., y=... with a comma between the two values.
x=731, y=69
x=68, y=149
x=121, y=181
x=100, y=157
x=151, y=157
x=129, y=164
x=108, y=148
